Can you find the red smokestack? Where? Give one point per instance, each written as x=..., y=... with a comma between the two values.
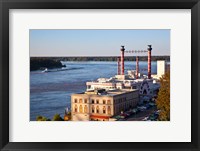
x=118, y=65
x=149, y=61
x=122, y=60
x=137, y=66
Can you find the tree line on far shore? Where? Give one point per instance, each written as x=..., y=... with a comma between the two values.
x=102, y=58
x=37, y=63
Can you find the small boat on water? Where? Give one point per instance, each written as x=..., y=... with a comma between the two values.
x=56, y=70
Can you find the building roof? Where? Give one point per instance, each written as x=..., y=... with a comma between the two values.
x=100, y=92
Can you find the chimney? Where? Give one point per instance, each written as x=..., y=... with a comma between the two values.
x=122, y=60
x=137, y=67
x=149, y=61
x=118, y=66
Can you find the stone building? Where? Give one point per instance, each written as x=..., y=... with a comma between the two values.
x=100, y=105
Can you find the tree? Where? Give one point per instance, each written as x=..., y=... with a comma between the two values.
x=57, y=118
x=163, y=100
x=42, y=118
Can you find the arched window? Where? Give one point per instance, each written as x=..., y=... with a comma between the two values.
x=109, y=110
x=80, y=109
x=104, y=110
x=93, y=108
x=85, y=108
x=80, y=101
x=75, y=108
x=97, y=109
x=75, y=100
x=108, y=102
x=92, y=101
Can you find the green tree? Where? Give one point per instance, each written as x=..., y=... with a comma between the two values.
x=69, y=113
x=42, y=118
x=163, y=100
x=57, y=117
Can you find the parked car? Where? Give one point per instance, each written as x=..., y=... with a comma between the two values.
x=141, y=108
x=135, y=110
x=145, y=118
x=129, y=113
x=124, y=115
x=153, y=117
x=147, y=106
x=152, y=104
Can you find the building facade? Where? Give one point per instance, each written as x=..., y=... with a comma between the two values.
x=100, y=105
x=161, y=67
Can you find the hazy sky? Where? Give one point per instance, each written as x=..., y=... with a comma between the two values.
x=97, y=42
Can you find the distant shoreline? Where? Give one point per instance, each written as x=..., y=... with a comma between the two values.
x=101, y=58
x=38, y=63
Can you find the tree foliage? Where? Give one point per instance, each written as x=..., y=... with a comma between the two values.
x=113, y=58
x=163, y=100
x=42, y=118
x=37, y=63
x=57, y=117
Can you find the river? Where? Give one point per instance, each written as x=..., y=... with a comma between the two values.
x=50, y=91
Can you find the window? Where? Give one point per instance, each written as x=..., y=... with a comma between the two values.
x=80, y=109
x=75, y=100
x=85, y=100
x=80, y=101
x=75, y=108
x=93, y=109
x=109, y=110
x=118, y=109
x=108, y=101
x=92, y=101
x=85, y=109
x=104, y=101
x=97, y=101
x=97, y=111
x=104, y=110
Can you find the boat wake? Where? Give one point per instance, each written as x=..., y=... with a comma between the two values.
x=56, y=70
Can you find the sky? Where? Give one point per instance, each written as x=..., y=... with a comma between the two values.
x=75, y=42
